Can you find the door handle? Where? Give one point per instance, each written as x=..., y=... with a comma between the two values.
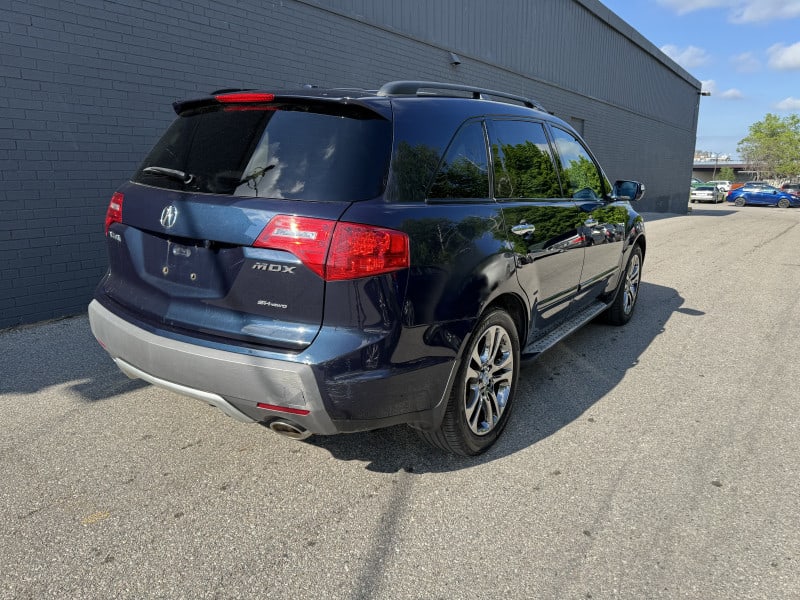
x=523, y=229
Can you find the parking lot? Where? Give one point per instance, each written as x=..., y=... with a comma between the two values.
x=658, y=460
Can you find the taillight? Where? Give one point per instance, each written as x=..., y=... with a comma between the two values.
x=114, y=212
x=308, y=239
x=362, y=250
x=337, y=251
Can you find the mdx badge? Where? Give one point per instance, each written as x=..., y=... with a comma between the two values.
x=273, y=268
x=168, y=216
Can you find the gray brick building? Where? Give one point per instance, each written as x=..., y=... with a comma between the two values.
x=86, y=87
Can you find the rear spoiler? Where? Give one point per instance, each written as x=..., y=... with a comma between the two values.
x=255, y=99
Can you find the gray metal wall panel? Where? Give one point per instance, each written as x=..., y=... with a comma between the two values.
x=561, y=42
x=86, y=88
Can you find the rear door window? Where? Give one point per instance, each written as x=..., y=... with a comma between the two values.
x=523, y=163
x=300, y=152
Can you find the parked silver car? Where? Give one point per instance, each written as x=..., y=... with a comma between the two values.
x=707, y=192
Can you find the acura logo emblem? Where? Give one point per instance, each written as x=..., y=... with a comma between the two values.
x=168, y=216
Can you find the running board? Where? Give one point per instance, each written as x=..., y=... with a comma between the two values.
x=558, y=333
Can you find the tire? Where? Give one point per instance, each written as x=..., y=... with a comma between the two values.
x=621, y=310
x=483, y=392
x=783, y=203
x=740, y=201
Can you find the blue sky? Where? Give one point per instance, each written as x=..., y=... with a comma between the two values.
x=746, y=53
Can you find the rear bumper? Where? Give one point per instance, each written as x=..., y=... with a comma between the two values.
x=235, y=383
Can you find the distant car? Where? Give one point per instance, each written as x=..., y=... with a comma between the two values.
x=706, y=193
x=758, y=185
x=791, y=188
x=759, y=193
x=722, y=184
x=696, y=181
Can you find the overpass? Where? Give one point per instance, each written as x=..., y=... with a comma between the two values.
x=709, y=170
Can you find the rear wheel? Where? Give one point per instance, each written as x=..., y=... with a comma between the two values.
x=740, y=201
x=480, y=401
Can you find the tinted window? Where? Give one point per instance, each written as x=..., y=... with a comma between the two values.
x=523, y=165
x=464, y=172
x=579, y=174
x=296, y=152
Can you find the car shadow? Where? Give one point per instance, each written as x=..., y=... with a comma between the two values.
x=35, y=357
x=553, y=391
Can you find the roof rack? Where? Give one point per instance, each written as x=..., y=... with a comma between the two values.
x=412, y=88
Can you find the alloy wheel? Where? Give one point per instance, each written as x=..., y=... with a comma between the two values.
x=632, y=280
x=488, y=381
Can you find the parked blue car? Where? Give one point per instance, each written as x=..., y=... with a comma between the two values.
x=762, y=194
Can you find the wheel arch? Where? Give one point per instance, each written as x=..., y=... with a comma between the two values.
x=512, y=305
x=641, y=241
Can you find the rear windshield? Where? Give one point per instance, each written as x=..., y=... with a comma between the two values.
x=298, y=152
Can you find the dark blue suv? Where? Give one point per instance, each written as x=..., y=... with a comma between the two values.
x=327, y=261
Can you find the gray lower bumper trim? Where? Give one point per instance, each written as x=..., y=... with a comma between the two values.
x=233, y=381
x=213, y=399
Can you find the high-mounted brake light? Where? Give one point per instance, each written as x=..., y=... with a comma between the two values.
x=244, y=97
x=114, y=212
x=337, y=251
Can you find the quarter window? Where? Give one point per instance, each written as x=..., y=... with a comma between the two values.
x=464, y=172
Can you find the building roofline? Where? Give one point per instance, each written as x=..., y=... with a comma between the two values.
x=614, y=21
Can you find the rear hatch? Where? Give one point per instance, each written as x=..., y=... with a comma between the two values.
x=223, y=231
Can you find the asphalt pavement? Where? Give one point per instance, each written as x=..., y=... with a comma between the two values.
x=657, y=460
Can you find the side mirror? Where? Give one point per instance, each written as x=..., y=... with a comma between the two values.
x=628, y=190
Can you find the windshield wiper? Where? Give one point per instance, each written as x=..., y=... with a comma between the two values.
x=171, y=173
x=256, y=173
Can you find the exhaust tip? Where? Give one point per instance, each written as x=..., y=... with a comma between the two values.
x=289, y=429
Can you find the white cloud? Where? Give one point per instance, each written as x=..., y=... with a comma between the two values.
x=732, y=94
x=741, y=11
x=789, y=104
x=764, y=11
x=746, y=63
x=688, y=57
x=710, y=86
x=784, y=58
x=686, y=6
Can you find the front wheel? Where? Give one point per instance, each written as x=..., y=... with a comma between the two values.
x=480, y=401
x=621, y=310
x=783, y=203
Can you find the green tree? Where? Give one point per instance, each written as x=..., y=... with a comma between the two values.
x=772, y=147
x=727, y=174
